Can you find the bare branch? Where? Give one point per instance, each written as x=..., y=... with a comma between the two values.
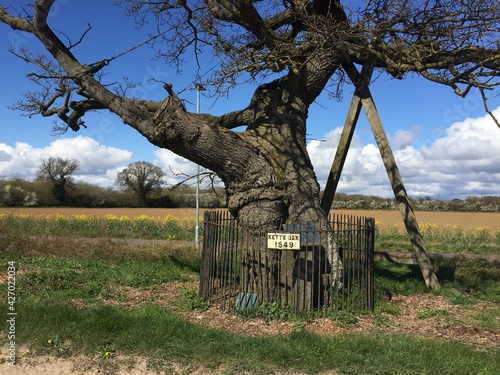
x=71, y=45
x=486, y=107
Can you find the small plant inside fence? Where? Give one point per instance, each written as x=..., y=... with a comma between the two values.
x=277, y=274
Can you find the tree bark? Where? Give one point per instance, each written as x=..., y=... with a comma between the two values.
x=266, y=169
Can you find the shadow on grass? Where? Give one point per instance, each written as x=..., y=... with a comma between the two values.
x=163, y=337
x=477, y=278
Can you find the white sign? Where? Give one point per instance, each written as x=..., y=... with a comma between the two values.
x=283, y=241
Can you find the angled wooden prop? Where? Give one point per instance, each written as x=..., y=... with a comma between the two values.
x=346, y=136
x=363, y=97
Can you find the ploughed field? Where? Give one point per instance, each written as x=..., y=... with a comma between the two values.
x=464, y=220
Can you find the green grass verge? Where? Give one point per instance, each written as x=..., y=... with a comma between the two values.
x=441, y=239
x=109, y=226
x=163, y=337
x=51, y=276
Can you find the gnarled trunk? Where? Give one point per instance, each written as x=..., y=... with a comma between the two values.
x=290, y=196
x=266, y=169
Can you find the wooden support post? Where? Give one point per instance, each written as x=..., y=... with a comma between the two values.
x=346, y=137
x=395, y=179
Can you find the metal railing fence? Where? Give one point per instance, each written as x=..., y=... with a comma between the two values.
x=268, y=273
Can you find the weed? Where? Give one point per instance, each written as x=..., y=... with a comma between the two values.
x=382, y=320
x=273, y=310
x=56, y=346
x=345, y=319
x=298, y=326
x=385, y=307
x=190, y=300
x=425, y=314
x=107, y=352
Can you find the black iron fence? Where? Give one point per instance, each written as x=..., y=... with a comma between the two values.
x=300, y=269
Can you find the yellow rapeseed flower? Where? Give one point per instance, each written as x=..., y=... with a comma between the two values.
x=169, y=219
x=124, y=218
x=111, y=217
x=145, y=218
x=189, y=220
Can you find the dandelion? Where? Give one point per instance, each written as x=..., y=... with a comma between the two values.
x=107, y=354
x=49, y=341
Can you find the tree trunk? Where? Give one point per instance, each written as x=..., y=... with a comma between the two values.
x=266, y=169
x=290, y=196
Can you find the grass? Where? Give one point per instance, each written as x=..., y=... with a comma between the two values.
x=64, y=286
x=108, y=226
x=151, y=331
x=440, y=239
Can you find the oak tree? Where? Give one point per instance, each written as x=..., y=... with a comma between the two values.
x=142, y=178
x=58, y=171
x=294, y=50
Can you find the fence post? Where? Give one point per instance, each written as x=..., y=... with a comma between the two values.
x=369, y=256
x=206, y=251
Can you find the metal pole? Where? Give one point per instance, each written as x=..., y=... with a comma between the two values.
x=197, y=228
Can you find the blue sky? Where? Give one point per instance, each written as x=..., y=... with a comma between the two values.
x=446, y=147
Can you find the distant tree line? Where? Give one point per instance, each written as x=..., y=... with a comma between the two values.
x=469, y=204
x=141, y=184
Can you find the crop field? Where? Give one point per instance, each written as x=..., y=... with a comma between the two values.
x=389, y=218
x=465, y=220
x=455, y=232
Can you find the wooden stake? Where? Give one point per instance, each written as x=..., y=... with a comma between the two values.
x=395, y=179
x=346, y=137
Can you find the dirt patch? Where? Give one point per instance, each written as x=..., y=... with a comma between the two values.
x=420, y=315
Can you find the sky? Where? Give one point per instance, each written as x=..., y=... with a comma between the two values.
x=445, y=146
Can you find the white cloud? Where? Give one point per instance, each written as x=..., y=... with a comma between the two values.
x=405, y=138
x=98, y=163
x=463, y=161
x=176, y=167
